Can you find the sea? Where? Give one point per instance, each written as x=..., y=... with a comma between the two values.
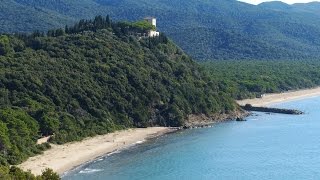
x=266, y=146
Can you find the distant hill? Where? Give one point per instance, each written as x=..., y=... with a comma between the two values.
x=217, y=29
x=312, y=7
x=276, y=5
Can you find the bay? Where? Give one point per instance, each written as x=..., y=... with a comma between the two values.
x=266, y=146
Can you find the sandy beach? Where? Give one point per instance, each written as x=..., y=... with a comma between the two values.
x=62, y=158
x=270, y=99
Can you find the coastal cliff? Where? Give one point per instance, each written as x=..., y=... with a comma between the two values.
x=94, y=78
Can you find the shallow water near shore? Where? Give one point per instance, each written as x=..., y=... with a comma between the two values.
x=266, y=146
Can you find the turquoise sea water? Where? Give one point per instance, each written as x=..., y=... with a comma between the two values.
x=267, y=146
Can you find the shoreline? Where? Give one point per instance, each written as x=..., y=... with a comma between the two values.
x=66, y=157
x=271, y=99
x=62, y=158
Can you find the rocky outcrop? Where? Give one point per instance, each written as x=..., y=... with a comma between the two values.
x=249, y=107
x=203, y=120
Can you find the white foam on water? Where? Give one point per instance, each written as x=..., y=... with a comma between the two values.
x=90, y=171
x=140, y=142
x=97, y=160
x=114, y=152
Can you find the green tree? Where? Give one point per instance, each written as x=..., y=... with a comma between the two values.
x=48, y=174
x=4, y=45
x=4, y=138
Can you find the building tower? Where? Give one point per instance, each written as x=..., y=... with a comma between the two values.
x=153, y=21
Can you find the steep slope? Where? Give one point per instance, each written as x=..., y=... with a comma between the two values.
x=96, y=79
x=204, y=29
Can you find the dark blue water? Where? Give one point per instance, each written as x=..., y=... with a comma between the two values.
x=267, y=146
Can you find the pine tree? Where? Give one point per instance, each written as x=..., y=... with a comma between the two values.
x=108, y=21
x=59, y=32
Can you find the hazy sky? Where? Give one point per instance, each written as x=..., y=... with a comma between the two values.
x=286, y=1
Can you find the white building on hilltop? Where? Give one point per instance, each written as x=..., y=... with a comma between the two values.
x=153, y=21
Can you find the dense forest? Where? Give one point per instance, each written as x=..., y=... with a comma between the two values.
x=92, y=78
x=215, y=29
x=249, y=79
x=96, y=76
